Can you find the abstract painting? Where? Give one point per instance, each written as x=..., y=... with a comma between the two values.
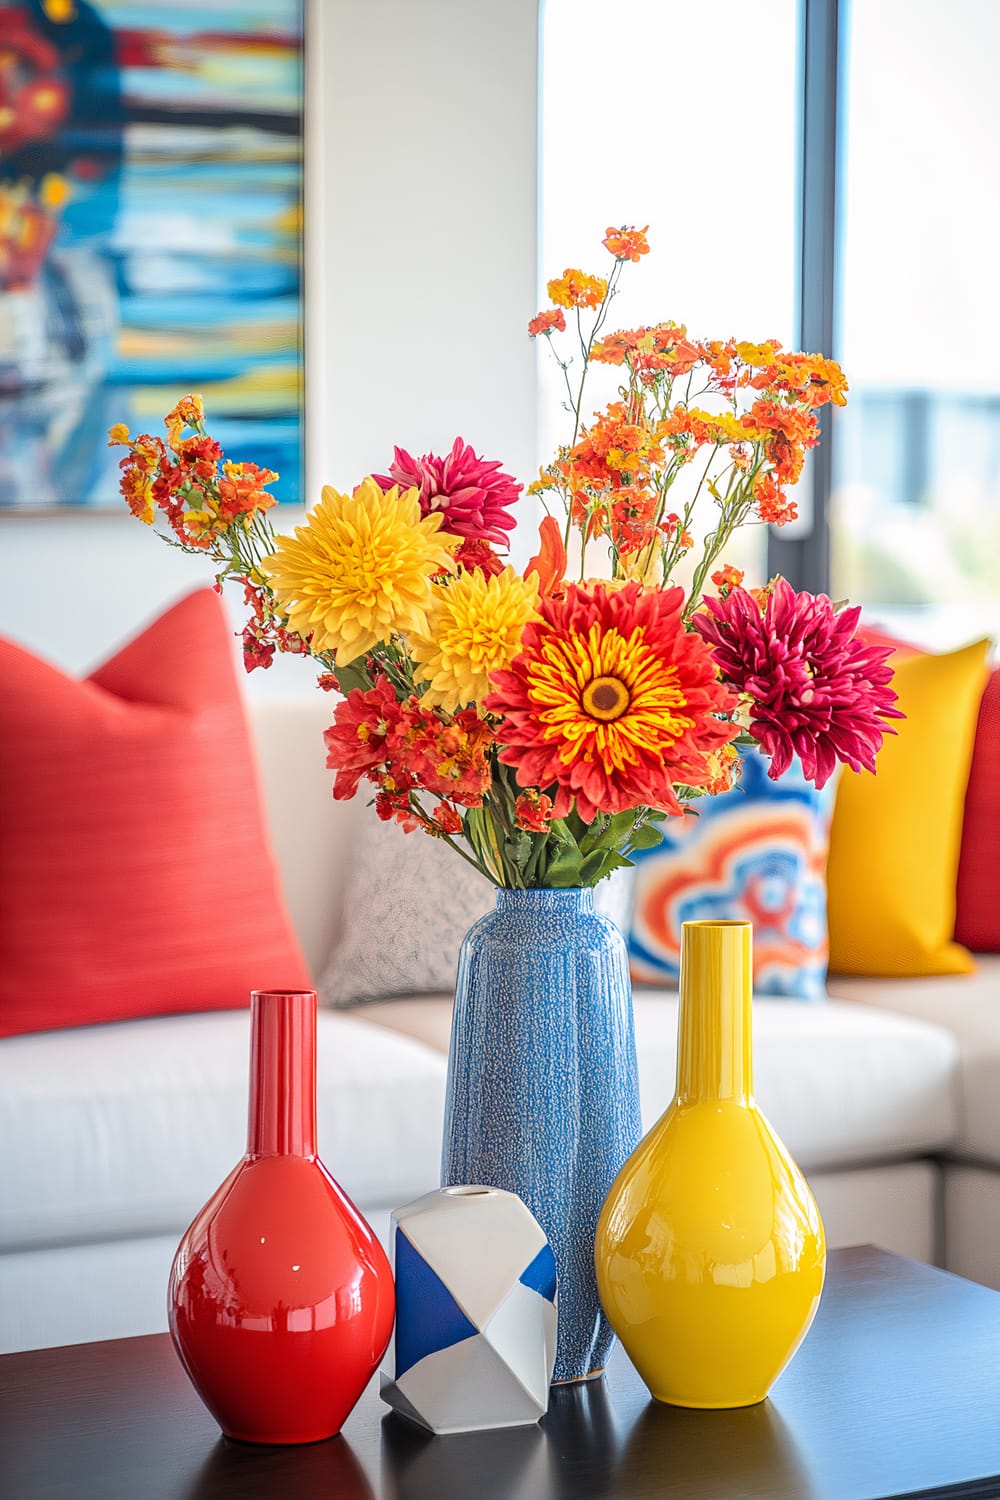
x=150, y=235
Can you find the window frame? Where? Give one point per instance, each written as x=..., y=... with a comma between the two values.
x=804, y=558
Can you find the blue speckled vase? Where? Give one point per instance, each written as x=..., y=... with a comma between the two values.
x=543, y=1091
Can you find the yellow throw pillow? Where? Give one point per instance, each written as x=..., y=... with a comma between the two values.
x=896, y=836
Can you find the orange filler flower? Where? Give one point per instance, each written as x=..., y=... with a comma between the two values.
x=626, y=243
x=546, y=321
x=611, y=701
x=576, y=289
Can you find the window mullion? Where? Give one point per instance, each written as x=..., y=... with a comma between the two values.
x=805, y=559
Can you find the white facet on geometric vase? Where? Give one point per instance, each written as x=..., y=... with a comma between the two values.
x=475, y=1336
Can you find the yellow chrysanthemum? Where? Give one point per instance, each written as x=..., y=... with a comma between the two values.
x=474, y=627
x=359, y=570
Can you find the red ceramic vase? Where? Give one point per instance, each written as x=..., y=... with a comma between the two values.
x=281, y=1299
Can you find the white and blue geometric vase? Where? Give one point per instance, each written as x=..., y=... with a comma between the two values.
x=475, y=1335
x=543, y=1088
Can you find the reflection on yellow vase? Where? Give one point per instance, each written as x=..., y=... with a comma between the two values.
x=710, y=1249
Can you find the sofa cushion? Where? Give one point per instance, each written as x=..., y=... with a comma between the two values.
x=754, y=854
x=135, y=873
x=896, y=836
x=111, y=1131
x=977, y=914
x=977, y=910
x=968, y=1006
x=841, y=1084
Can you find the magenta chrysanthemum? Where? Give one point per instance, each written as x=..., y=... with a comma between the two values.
x=818, y=691
x=472, y=493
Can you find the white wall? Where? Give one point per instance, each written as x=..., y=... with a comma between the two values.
x=421, y=198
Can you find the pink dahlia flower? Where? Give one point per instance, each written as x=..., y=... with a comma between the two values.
x=818, y=691
x=472, y=494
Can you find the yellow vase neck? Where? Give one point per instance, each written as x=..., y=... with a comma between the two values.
x=714, y=1049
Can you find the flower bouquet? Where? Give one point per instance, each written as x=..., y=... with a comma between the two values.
x=540, y=725
x=543, y=724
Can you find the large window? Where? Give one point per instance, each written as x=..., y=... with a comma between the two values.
x=915, y=513
x=806, y=165
x=682, y=116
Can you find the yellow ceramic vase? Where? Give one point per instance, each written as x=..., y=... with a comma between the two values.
x=710, y=1248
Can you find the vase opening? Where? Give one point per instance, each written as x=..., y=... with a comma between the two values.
x=469, y=1192
x=721, y=922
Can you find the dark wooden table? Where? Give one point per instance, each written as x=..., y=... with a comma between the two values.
x=896, y=1392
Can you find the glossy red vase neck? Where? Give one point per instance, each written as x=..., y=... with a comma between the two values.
x=282, y=1073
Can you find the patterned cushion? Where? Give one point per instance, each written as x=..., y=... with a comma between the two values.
x=758, y=853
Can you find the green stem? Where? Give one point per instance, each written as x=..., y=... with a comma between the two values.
x=731, y=519
x=449, y=839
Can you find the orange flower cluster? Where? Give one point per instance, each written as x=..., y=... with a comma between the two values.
x=576, y=289
x=198, y=501
x=809, y=378
x=614, y=479
x=533, y=811
x=608, y=475
x=545, y=322
x=447, y=754
x=404, y=748
x=617, y=449
x=475, y=554
x=772, y=504
x=627, y=243
x=786, y=432
x=189, y=412
x=264, y=633
x=664, y=348
x=727, y=578
x=724, y=769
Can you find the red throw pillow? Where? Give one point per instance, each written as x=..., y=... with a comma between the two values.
x=977, y=919
x=977, y=893
x=136, y=876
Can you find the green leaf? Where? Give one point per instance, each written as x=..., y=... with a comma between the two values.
x=646, y=837
x=621, y=824
x=593, y=866
x=595, y=833
x=576, y=825
x=539, y=845
x=353, y=676
x=610, y=861
x=564, y=870
x=561, y=833
x=518, y=849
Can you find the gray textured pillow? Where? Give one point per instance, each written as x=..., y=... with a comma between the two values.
x=410, y=902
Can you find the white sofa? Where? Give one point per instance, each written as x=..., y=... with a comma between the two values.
x=111, y=1137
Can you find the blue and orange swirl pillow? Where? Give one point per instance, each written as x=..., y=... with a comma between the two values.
x=757, y=853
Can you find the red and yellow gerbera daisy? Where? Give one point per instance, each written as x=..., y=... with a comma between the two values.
x=611, y=701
